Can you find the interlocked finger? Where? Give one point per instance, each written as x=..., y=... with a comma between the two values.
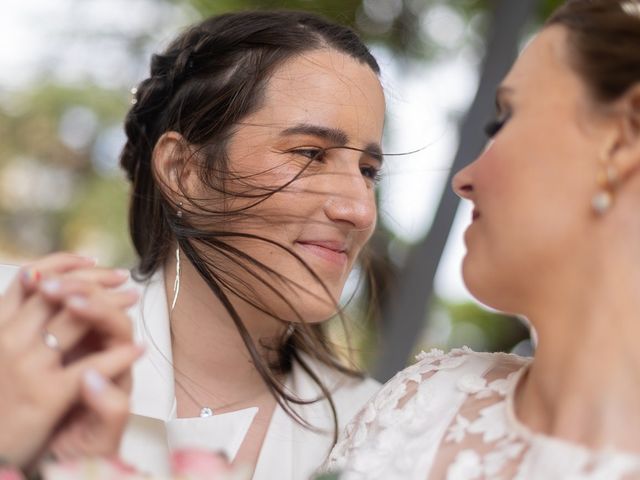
x=102, y=313
x=29, y=276
x=98, y=276
x=110, y=363
x=61, y=289
x=26, y=327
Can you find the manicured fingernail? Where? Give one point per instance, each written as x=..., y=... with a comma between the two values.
x=30, y=277
x=94, y=381
x=133, y=292
x=77, y=301
x=90, y=259
x=86, y=258
x=51, y=286
x=123, y=273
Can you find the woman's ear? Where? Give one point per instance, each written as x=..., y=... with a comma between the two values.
x=173, y=165
x=625, y=151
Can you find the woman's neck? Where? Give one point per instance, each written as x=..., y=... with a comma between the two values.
x=584, y=385
x=212, y=364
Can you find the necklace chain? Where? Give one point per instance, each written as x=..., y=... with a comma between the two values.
x=205, y=410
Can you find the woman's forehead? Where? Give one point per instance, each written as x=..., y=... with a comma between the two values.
x=324, y=76
x=544, y=64
x=327, y=89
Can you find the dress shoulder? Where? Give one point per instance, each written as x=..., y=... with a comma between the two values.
x=460, y=364
x=419, y=401
x=349, y=394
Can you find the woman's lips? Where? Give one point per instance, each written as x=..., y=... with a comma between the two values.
x=332, y=252
x=475, y=215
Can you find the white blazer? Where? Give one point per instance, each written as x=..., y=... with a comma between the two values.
x=289, y=451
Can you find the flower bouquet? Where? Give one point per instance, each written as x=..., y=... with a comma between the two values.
x=185, y=465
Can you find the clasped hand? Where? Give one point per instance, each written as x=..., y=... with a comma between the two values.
x=66, y=352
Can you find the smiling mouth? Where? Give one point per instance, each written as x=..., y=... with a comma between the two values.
x=329, y=251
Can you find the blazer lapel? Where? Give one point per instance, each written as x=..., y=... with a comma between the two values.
x=154, y=431
x=291, y=451
x=153, y=387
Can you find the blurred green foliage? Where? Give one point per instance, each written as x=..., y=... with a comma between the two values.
x=53, y=192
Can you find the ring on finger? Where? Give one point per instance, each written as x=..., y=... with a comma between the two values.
x=51, y=341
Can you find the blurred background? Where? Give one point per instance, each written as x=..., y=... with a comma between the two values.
x=66, y=70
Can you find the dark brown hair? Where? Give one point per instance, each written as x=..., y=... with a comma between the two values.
x=208, y=80
x=604, y=43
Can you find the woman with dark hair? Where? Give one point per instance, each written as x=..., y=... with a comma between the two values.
x=555, y=237
x=253, y=150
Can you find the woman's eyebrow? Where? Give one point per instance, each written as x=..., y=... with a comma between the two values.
x=334, y=135
x=375, y=150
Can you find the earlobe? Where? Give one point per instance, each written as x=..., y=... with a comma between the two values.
x=620, y=156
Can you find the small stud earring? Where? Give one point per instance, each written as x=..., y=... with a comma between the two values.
x=179, y=212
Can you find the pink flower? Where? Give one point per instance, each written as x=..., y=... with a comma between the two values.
x=185, y=465
x=200, y=464
x=91, y=469
x=10, y=474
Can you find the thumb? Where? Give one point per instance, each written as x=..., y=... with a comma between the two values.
x=110, y=406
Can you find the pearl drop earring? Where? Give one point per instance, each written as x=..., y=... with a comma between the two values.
x=603, y=200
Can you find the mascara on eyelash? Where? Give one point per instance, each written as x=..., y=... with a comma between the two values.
x=492, y=128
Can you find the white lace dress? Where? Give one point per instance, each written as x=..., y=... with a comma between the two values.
x=450, y=416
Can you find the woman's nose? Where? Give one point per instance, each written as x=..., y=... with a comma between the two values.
x=351, y=200
x=461, y=183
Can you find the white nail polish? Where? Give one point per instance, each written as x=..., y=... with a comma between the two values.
x=77, y=302
x=88, y=258
x=94, y=381
x=51, y=286
x=121, y=272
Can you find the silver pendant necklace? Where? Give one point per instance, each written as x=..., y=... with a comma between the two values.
x=206, y=412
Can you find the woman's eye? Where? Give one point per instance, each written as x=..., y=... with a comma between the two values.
x=310, y=153
x=371, y=173
x=494, y=126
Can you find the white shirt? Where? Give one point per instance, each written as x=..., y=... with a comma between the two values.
x=289, y=451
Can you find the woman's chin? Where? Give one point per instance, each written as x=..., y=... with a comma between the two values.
x=490, y=296
x=310, y=309
x=319, y=313
x=478, y=283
